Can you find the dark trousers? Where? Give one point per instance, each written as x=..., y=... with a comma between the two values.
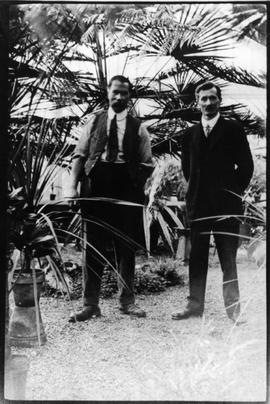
x=226, y=239
x=109, y=228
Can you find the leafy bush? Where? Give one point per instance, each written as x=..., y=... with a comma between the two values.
x=151, y=277
x=257, y=186
x=148, y=282
x=170, y=274
x=73, y=278
x=108, y=283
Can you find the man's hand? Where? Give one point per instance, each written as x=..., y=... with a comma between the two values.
x=72, y=193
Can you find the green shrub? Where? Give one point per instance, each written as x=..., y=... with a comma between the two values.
x=151, y=277
x=147, y=281
x=108, y=283
x=73, y=277
x=170, y=274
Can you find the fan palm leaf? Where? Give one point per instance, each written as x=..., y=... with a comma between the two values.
x=252, y=21
x=193, y=36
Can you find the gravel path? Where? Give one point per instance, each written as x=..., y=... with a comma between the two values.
x=117, y=357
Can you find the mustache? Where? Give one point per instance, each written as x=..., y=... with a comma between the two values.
x=119, y=103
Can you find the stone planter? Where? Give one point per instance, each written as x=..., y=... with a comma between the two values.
x=23, y=330
x=16, y=369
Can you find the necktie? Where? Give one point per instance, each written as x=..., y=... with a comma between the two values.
x=207, y=130
x=112, y=141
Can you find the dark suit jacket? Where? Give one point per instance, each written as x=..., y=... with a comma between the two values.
x=227, y=166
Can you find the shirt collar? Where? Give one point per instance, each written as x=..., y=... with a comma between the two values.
x=121, y=115
x=210, y=122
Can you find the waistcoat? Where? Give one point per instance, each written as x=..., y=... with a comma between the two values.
x=98, y=140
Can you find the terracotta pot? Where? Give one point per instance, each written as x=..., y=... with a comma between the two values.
x=23, y=288
x=23, y=322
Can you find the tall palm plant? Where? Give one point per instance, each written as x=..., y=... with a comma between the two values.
x=192, y=40
x=189, y=39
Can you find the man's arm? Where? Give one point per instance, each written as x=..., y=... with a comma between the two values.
x=145, y=151
x=79, y=157
x=185, y=156
x=244, y=160
x=146, y=164
x=76, y=169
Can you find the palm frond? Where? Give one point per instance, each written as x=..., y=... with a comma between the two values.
x=191, y=30
x=251, y=21
x=232, y=74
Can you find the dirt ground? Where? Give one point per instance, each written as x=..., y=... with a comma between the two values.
x=118, y=358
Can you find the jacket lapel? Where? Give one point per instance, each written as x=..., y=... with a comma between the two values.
x=196, y=138
x=217, y=133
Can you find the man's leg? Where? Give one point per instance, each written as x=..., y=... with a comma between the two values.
x=128, y=221
x=126, y=271
x=99, y=184
x=94, y=264
x=95, y=247
x=227, y=244
x=95, y=252
x=198, y=262
x=198, y=266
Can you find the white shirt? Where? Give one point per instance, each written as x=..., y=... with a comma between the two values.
x=121, y=121
x=211, y=123
x=144, y=147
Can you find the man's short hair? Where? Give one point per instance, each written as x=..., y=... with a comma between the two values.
x=120, y=78
x=207, y=86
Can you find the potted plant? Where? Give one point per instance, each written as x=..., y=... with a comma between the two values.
x=31, y=238
x=37, y=153
x=33, y=233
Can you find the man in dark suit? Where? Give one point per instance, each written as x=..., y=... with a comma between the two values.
x=112, y=159
x=217, y=164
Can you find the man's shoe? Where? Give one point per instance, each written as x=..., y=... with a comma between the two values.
x=85, y=314
x=187, y=313
x=133, y=310
x=234, y=316
x=233, y=311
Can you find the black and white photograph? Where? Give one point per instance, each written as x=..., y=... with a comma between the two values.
x=136, y=201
